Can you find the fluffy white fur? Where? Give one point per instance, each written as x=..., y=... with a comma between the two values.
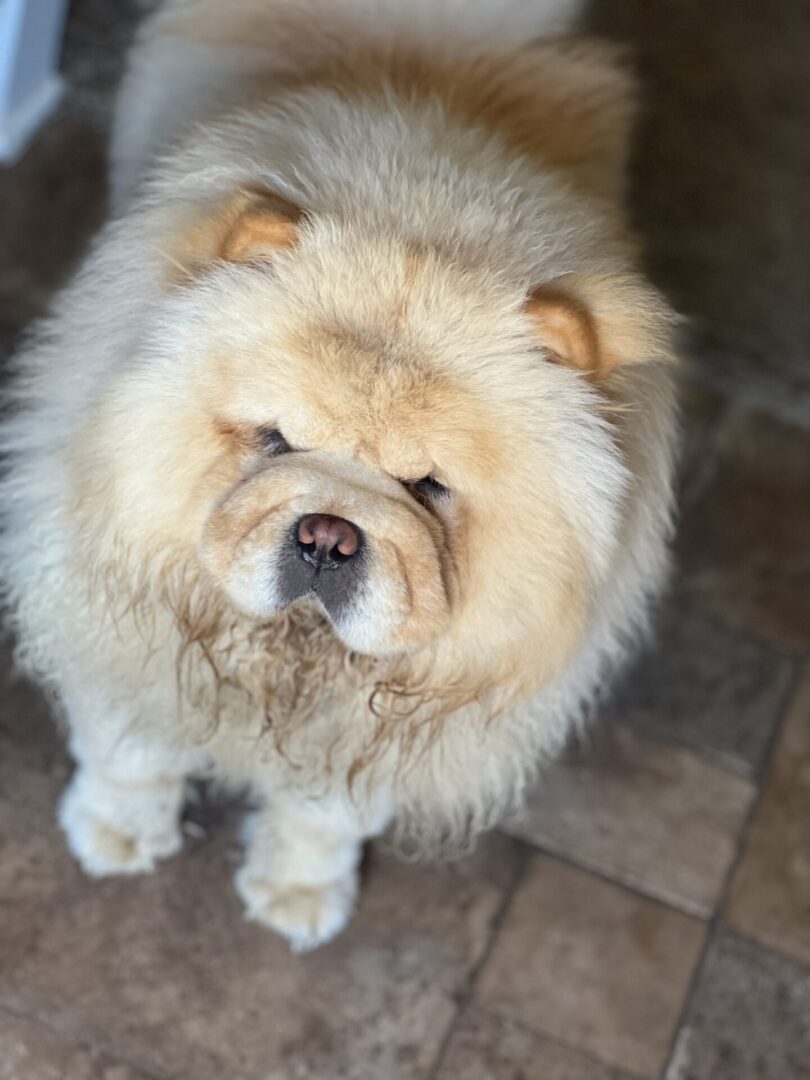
x=161, y=668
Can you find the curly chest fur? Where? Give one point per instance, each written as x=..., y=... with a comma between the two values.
x=286, y=698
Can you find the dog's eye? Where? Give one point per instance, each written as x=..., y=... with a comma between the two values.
x=273, y=443
x=428, y=488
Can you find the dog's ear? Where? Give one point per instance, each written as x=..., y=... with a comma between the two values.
x=248, y=227
x=596, y=323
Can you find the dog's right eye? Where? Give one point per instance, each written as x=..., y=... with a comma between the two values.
x=428, y=489
x=273, y=442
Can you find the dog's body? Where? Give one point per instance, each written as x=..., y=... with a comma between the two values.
x=392, y=239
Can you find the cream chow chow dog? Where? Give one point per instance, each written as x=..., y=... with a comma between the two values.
x=341, y=471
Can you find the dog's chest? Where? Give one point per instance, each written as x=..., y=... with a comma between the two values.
x=262, y=693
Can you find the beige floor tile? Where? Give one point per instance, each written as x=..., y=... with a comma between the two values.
x=489, y=1047
x=31, y=1051
x=770, y=894
x=651, y=814
x=745, y=530
x=593, y=965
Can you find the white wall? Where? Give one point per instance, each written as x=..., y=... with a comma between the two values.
x=30, y=88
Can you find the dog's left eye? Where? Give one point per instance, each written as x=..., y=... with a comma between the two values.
x=273, y=442
x=428, y=488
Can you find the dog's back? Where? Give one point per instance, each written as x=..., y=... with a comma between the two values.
x=196, y=57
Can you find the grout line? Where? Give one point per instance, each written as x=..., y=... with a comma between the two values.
x=745, y=393
x=721, y=760
x=716, y=620
x=731, y=392
x=464, y=998
x=776, y=950
x=800, y=670
x=796, y=680
x=689, y=995
x=80, y=1045
x=637, y=889
x=699, y=473
x=620, y=1072
x=716, y=920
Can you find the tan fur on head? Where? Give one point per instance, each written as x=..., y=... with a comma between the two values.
x=568, y=102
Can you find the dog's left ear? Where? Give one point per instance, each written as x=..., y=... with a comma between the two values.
x=596, y=323
x=250, y=226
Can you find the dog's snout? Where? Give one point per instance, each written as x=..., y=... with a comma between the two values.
x=323, y=542
x=327, y=541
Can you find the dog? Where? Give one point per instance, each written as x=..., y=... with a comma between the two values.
x=341, y=472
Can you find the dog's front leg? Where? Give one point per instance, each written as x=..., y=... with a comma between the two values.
x=121, y=810
x=300, y=875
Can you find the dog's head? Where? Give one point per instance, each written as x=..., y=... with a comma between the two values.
x=416, y=445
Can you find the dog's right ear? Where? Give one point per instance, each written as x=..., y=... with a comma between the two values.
x=597, y=322
x=249, y=227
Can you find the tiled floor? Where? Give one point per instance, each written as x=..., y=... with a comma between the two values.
x=649, y=916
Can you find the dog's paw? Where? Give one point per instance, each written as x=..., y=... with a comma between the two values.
x=306, y=915
x=104, y=846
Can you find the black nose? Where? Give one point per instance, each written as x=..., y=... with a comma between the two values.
x=327, y=542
